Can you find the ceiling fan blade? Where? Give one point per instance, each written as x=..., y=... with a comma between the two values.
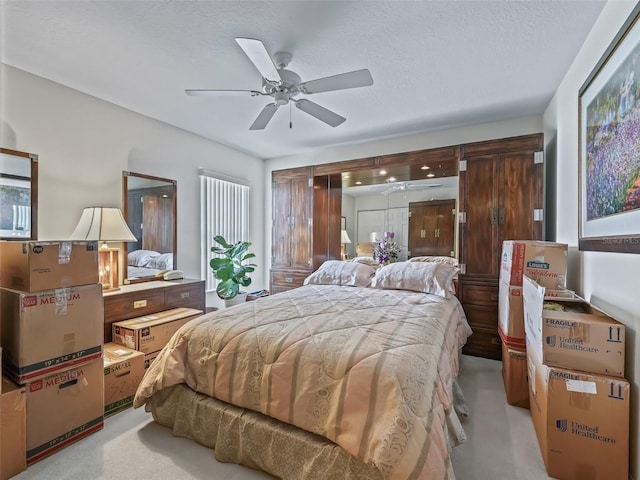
x=321, y=113
x=257, y=53
x=264, y=117
x=213, y=93
x=357, y=78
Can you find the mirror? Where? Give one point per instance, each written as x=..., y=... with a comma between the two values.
x=375, y=202
x=18, y=195
x=149, y=206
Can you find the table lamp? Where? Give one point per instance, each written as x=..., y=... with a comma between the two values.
x=104, y=224
x=344, y=239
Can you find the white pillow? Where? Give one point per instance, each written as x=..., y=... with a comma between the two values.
x=334, y=272
x=366, y=261
x=141, y=258
x=427, y=277
x=162, y=262
x=436, y=259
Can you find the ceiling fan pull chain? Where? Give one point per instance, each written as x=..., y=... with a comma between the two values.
x=290, y=122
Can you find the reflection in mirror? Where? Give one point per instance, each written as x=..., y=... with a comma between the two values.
x=149, y=206
x=18, y=195
x=384, y=207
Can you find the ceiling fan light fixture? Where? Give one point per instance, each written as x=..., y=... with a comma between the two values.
x=281, y=98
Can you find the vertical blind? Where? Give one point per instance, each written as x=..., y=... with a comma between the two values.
x=225, y=211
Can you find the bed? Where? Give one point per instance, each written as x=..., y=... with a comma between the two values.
x=147, y=263
x=336, y=379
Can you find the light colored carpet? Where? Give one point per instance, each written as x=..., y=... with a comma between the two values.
x=501, y=444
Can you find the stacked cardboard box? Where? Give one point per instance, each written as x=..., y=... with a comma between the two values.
x=51, y=311
x=150, y=333
x=578, y=394
x=13, y=429
x=546, y=261
x=123, y=371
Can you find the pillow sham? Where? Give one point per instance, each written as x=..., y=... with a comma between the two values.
x=426, y=277
x=366, y=261
x=334, y=272
x=141, y=258
x=162, y=262
x=436, y=259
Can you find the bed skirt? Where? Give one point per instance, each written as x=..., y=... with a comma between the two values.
x=254, y=440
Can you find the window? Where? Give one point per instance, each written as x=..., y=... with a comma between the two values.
x=225, y=211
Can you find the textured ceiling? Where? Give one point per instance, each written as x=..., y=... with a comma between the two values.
x=435, y=64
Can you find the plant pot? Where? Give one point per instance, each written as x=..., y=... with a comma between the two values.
x=238, y=299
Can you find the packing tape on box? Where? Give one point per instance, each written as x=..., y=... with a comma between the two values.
x=64, y=252
x=61, y=297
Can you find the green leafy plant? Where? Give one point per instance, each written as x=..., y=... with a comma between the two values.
x=230, y=268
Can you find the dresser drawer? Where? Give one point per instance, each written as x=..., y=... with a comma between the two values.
x=185, y=296
x=480, y=316
x=133, y=305
x=286, y=280
x=484, y=344
x=480, y=295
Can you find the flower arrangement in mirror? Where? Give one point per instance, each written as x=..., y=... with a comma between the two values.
x=387, y=250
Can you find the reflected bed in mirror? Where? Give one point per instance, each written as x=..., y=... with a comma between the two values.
x=149, y=206
x=18, y=195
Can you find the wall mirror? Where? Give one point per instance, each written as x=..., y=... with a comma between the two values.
x=417, y=202
x=149, y=206
x=18, y=195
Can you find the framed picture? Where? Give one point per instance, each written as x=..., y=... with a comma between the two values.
x=609, y=131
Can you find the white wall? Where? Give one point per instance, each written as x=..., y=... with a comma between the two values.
x=608, y=280
x=456, y=136
x=85, y=143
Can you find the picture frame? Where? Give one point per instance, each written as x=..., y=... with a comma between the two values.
x=609, y=147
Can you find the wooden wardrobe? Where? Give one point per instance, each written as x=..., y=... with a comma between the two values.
x=501, y=198
x=306, y=224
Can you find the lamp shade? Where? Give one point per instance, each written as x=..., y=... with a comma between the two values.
x=344, y=237
x=103, y=224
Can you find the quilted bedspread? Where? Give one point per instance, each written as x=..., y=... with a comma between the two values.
x=371, y=370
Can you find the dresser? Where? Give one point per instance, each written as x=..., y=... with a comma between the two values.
x=146, y=298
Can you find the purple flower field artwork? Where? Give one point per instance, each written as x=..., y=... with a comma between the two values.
x=609, y=161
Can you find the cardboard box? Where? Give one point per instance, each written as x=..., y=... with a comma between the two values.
x=34, y=266
x=123, y=371
x=514, y=375
x=589, y=341
x=46, y=331
x=511, y=311
x=13, y=429
x=63, y=408
x=581, y=421
x=545, y=262
x=150, y=333
x=149, y=358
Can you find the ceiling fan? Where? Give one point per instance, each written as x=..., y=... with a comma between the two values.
x=407, y=186
x=285, y=85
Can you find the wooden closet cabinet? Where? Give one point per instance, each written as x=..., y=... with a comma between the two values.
x=306, y=224
x=501, y=198
x=432, y=228
x=291, y=260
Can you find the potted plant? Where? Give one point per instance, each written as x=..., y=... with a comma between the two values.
x=231, y=269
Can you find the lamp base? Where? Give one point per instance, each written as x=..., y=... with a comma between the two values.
x=108, y=269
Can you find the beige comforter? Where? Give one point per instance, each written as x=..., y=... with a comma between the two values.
x=369, y=369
